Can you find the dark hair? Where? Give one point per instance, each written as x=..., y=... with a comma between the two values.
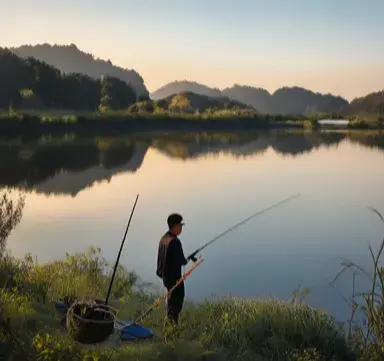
x=174, y=219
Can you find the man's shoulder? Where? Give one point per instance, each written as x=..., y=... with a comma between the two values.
x=174, y=240
x=169, y=239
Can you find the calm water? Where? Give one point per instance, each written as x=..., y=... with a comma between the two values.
x=80, y=193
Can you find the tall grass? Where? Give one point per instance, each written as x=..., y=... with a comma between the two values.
x=368, y=339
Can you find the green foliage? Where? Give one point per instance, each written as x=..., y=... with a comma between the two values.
x=26, y=93
x=115, y=94
x=310, y=354
x=81, y=275
x=49, y=348
x=10, y=216
x=358, y=124
x=312, y=123
x=16, y=304
x=180, y=103
x=30, y=83
x=263, y=328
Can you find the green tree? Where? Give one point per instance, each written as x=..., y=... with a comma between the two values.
x=10, y=216
x=115, y=94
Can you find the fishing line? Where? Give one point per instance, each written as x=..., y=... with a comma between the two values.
x=241, y=223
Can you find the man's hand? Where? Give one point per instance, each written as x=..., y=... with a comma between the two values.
x=193, y=259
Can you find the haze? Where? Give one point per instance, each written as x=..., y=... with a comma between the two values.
x=326, y=46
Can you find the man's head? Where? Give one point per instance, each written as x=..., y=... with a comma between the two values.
x=175, y=223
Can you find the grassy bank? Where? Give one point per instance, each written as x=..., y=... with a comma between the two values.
x=123, y=121
x=227, y=329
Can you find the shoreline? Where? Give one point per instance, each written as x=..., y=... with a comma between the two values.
x=116, y=123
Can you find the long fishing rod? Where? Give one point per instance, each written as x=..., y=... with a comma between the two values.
x=242, y=222
x=119, y=254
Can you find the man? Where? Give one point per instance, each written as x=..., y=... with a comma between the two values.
x=170, y=259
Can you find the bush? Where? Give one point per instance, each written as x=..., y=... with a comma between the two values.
x=263, y=328
x=10, y=216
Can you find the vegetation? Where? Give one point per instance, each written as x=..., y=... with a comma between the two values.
x=37, y=97
x=230, y=329
x=368, y=341
x=69, y=59
x=32, y=84
x=150, y=116
x=370, y=105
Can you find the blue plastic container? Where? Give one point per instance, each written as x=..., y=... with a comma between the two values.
x=132, y=331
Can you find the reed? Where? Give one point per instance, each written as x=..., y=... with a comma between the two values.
x=367, y=338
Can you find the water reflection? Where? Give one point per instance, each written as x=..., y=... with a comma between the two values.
x=69, y=166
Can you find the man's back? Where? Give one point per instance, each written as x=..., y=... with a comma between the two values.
x=170, y=258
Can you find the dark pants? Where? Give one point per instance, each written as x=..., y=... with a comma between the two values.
x=175, y=301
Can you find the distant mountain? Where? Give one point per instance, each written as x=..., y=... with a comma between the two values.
x=286, y=100
x=184, y=86
x=69, y=59
x=258, y=98
x=296, y=100
x=371, y=104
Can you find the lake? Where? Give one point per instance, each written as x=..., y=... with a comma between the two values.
x=80, y=191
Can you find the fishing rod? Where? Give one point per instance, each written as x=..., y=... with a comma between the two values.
x=119, y=254
x=242, y=222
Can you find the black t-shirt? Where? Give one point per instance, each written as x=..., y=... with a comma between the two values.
x=170, y=258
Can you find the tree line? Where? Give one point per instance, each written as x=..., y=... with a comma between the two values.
x=30, y=83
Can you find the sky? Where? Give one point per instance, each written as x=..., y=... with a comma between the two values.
x=324, y=45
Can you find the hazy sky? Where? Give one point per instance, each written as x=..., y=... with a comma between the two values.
x=325, y=45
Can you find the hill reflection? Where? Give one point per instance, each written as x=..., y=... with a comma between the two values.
x=67, y=167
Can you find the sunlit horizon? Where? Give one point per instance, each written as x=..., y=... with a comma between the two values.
x=325, y=47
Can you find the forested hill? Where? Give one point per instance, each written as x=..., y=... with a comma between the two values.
x=32, y=84
x=70, y=59
x=371, y=104
x=177, y=87
x=286, y=100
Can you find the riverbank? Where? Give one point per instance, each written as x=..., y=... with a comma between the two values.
x=120, y=122
x=227, y=329
x=232, y=329
x=223, y=329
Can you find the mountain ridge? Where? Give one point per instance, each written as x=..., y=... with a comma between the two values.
x=71, y=59
x=285, y=100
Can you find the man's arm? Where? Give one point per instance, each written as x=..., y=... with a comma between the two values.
x=179, y=253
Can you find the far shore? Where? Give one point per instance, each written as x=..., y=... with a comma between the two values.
x=120, y=122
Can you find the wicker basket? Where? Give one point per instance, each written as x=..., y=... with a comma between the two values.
x=90, y=323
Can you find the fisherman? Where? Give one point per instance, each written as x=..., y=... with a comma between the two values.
x=170, y=259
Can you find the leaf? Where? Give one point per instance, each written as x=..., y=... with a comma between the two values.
x=377, y=212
